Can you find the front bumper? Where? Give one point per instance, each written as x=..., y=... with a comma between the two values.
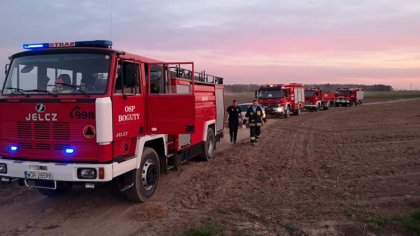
x=66, y=171
x=342, y=101
x=275, y=111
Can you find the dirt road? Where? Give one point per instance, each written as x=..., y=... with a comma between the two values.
x=311, y=174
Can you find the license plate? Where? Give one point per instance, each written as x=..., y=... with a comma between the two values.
x=38, y=175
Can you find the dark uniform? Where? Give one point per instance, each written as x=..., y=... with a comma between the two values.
x=234, y=116
x=255, y=122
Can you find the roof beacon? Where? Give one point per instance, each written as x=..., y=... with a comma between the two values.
x=94, y=43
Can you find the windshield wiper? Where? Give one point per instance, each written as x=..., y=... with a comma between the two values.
x=77, y=87
x=21, y=91
x=38, y=91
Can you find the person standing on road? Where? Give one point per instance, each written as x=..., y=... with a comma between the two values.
x=254, y=115
x=234, y=116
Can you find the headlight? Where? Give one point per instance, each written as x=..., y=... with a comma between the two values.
x=3, y=168
x=86, y=173
x=279, y=109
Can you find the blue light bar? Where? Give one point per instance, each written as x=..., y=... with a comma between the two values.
x=93, y=43
x=35, y=45
x=13, y=148
x=69, y=150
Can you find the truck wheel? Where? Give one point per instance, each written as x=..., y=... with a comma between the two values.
x=61, y=188
x=209, y=146
x=297, y=112
x=145, y=178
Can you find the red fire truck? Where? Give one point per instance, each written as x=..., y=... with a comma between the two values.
x=316, y=99
x=83, y=113
x=349, y=97
x=281, y=100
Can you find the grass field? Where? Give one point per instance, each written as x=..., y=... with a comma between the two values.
x=381, y=96
x=369, y=96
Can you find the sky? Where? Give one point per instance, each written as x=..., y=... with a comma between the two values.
x=244, y=41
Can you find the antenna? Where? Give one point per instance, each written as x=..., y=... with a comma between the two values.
x=110, y=23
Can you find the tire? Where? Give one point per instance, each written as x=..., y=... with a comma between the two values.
x=61, y=189
x=298, y=111
x=145, y=178
x=209, y=146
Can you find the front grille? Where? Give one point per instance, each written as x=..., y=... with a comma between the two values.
x=60, y=146
x=43, y=130
x=24, y=130
x=25, y=145
x=42, y=146
x=61, y=131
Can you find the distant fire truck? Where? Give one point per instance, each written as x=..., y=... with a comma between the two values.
x=281, y=100
x=349, y=96
x=81, y=112
x=316, y=99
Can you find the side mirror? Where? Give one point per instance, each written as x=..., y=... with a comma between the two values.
x=6, y=68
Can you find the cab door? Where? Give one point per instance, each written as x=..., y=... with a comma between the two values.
x=170, y=99
x=128, y=108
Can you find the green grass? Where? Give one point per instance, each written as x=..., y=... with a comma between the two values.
x=410, y=222
x=376, y=222
x=290, y=228
x=392, y=95
x=206, y=229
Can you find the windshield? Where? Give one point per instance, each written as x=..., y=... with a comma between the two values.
x=265, y=93
x=244, y=107
x=343, y=92
x=58, y=74
x=310, y=93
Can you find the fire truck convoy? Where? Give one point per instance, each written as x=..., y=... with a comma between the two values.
x=349, y=97
x=281, y=100
x=81, y=112
x=316, y=99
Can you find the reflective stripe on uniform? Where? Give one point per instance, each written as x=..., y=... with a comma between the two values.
x=252, y=138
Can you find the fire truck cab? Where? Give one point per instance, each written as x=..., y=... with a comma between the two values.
x=281, y=100
x=349, y=96
x=82, y=112
x=316, y=98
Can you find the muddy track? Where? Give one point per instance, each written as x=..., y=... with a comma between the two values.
x=305, y=171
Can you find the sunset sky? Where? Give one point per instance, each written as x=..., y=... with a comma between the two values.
x=244, y=41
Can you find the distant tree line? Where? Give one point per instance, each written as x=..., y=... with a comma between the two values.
x=333, y=87
x=237, y=88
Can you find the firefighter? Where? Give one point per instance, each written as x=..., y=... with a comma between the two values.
x=254, y=115
x=234, y=116
x=62, y=84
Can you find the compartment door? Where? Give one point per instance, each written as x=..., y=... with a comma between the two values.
x=171, y=114
x=170, y=100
